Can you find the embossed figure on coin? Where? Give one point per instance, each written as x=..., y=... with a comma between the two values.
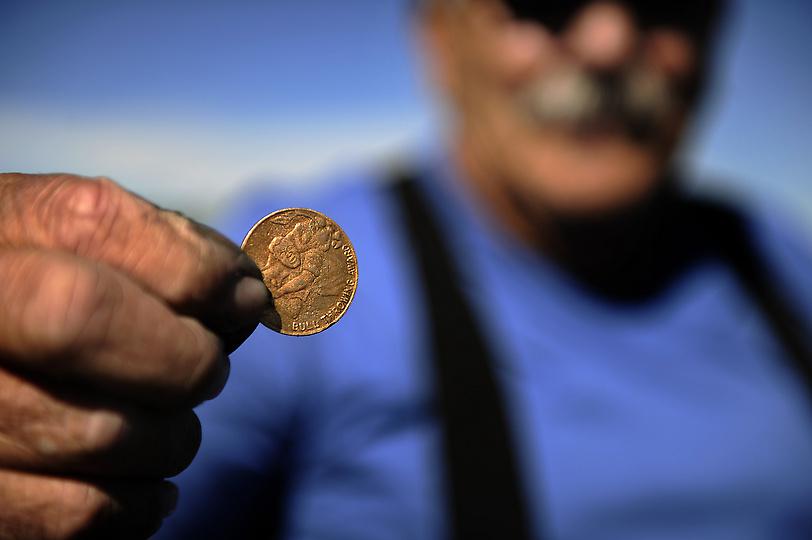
x=309, y=266
x=297, y=264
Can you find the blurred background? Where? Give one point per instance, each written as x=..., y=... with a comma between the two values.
x=187, y=101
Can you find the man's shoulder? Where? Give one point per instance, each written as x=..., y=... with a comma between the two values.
x=780, y=240
x=346, y=197
x=786, y=246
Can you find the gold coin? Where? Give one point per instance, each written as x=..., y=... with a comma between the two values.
x=310, y=267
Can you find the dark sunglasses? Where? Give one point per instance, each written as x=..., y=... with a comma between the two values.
x=693, y=16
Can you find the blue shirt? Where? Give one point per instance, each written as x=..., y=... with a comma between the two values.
x=672, y=419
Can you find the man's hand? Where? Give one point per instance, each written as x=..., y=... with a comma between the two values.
x=115, y=320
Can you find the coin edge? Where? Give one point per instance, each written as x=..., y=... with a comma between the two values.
x=357, y=270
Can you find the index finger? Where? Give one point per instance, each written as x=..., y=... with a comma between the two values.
x=74, y=320
x=194, y=269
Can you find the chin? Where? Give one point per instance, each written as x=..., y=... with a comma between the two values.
x=584, y=175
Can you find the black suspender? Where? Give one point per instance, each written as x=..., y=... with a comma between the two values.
x=486, y=498
x=730, y=238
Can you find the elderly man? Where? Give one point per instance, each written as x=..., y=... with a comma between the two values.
x=551, y=339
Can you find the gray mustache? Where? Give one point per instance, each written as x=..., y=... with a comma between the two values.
x=635, y=101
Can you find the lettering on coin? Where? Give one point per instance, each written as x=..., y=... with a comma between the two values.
x=310, y=267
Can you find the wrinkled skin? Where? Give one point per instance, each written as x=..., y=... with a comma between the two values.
x=116, y=318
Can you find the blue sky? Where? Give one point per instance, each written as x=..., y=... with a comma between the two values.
x=237, y=57
x=186, y=100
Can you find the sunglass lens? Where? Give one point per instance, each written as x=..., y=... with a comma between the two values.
x=692, y=16
x=553, y=14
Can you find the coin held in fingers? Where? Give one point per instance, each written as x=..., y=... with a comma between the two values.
x=310, y=267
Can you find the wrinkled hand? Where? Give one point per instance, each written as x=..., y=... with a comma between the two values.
x=115, y=320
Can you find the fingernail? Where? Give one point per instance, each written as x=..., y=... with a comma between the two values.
x=168, y=499
x=247, y=267
x=251, y=296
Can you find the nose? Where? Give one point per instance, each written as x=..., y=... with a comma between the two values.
x=602, y=35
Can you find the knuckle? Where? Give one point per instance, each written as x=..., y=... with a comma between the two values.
x=97, y=433
x=58, y=210
x=82, y=212
x=77, y=211
x=81, y=196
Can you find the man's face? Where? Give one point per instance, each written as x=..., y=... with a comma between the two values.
x=579, y=118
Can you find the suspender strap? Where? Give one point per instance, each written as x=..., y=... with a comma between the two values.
x=486, y=499
x=732, y=240
x=484, y=488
